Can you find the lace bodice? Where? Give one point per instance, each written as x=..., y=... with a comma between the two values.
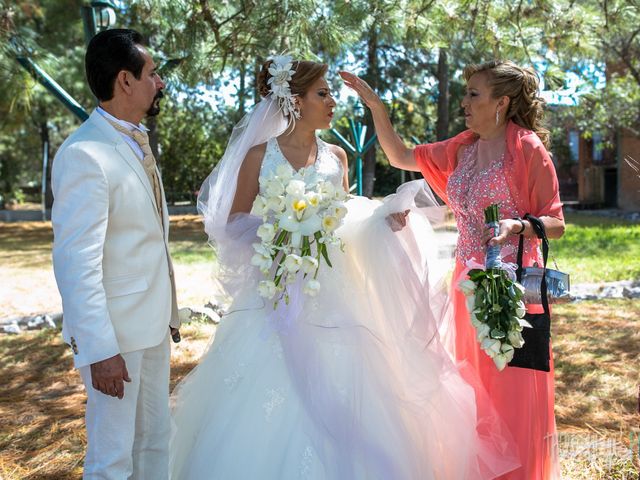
x=470, y=190
x=327, y=166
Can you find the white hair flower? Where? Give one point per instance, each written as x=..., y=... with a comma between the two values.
x=281, y=71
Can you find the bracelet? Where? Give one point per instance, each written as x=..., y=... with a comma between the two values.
x=522, y=225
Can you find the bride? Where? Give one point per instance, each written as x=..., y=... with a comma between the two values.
x=352, y=383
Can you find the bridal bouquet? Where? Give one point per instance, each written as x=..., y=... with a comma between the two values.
x=299, y=221
x=494, y=301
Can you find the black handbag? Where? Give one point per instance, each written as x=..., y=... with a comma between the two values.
x=534, y=354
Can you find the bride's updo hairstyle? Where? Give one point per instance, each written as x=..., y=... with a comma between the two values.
x=521, y=85
x=306, y=73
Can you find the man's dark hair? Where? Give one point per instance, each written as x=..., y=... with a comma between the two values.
x=108, y=53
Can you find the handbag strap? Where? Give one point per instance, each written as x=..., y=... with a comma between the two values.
x=539, y=230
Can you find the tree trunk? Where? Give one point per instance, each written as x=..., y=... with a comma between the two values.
x=256, y=71
x=242, y=90
x=371, y=76
x=442, y=124
x=152, y=125
x=45, y=142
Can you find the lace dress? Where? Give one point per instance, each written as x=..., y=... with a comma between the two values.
x=356, y=386
x=524, y=398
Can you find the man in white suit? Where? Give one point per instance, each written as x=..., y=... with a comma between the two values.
x=112, y=264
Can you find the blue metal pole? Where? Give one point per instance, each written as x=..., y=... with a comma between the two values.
x=345, y=143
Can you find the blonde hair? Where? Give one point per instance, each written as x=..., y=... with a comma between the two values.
x=307, y=73
x=521, y=85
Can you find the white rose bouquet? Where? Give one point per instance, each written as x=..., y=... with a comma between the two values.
x=299, y=221
x=496, y=308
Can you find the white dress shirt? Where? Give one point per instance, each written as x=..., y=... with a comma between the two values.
x=129, y=126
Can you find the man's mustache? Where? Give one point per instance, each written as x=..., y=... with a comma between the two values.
x=159, y=95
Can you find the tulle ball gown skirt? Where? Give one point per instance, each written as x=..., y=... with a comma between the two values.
x=350, y=384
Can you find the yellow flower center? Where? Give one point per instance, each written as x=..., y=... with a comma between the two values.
x=299, y=206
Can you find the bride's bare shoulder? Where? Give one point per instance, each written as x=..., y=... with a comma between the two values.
x=338, y=152
x=256, y=152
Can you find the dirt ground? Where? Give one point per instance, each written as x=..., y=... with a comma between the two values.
x=27, y=283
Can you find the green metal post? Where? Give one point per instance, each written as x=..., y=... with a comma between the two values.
x=358, y=149
x=52, y=86
x=89, y=22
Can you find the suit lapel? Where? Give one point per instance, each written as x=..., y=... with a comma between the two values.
x=165, y=207
x=128, y=155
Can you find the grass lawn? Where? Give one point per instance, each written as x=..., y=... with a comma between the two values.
x=598, y=249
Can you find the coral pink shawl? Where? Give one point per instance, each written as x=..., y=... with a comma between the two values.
x=530, y=173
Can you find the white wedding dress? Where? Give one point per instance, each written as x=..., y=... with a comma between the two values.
x=350, y=384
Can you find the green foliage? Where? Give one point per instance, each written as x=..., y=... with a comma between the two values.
x=394, y=44
x=194, y=136
x=590, y=244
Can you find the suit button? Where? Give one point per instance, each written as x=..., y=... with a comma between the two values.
x=74, y=347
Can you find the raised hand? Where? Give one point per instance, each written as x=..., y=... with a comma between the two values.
x=108, y=376
x=398, y=220
x=362, y=88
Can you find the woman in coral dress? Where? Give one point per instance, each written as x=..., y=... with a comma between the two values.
x=502, y=158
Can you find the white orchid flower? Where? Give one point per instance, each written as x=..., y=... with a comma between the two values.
x=313, y=199
x=521, y=309
x=524, y=323
x=312, y=288
x=491, y=346
x=515, y=338
x=267, y=289
x=309, y=264
x=471, y=302
x=504, y=357
x=273, y=187
x=507, y=350
x=340, y=212
x=296, y=188
x=292, y=262
x=290, y=222
x=500, y=360
x=276, y=204
x=262, y=262
x=284, y=173
x=326, y=189
x=482, y=331
x=468, y=286
x=266, y=232
x=329, y=223
x=259, y=207
x=475, y=321
x=263, y=249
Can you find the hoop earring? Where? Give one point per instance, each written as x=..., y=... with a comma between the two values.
x=497, y=117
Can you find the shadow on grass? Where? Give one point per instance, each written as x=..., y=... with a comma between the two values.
x=597, y=353
x=25, y=244
x=41, y=408
x=42, y=432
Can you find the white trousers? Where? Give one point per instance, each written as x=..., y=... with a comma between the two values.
x=129, y=438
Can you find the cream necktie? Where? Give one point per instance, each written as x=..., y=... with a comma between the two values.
x=148, y=161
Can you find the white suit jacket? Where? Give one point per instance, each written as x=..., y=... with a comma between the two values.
x=110, y=251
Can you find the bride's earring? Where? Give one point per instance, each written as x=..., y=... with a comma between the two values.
x=497, y=117
x=296, y=113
